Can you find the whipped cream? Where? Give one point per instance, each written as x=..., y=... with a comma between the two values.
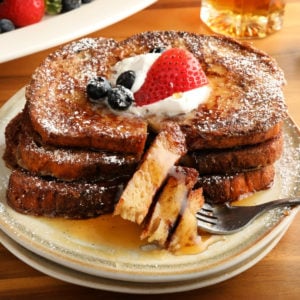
x=178, y=103
x=140, y=64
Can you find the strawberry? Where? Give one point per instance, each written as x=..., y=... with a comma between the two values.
x=22, y=12
x=176, y=70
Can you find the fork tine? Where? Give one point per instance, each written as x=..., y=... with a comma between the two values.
x=207, y=219
x=207, y=207
x=205, y=214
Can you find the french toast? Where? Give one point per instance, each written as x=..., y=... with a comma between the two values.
x=186, y=231
x=229, y=188
x=136, y=199
x=59, y=108
x=76, y=158
x=25, y=149
x=246, y=105
x=40, y=196
x=238, y=159
x=168, y=205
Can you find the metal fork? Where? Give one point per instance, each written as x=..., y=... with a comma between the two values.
x=227, y=219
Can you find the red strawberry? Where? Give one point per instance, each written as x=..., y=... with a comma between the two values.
x=176, y=70
x=22, y=12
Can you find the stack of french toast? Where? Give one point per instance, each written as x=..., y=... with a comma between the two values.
x=73, y=158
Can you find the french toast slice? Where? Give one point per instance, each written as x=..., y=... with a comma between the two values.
x=238, y=159
x=246, y=104
x=229, y=188
x=186, y=231
x=60, y=110
x=25, y=149
x=171, y=201
x=40, y=196
x=162, y=155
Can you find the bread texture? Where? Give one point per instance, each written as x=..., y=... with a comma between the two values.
x=162, y=155
x=186, y=231
x=168, y=206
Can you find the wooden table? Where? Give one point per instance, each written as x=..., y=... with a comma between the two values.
x=277, y=276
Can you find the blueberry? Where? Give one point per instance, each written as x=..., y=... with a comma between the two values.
x=68, y=5
x=157, y=50
x=126, y=79
x=6, y=25
x=98, y=88
x=120, y=98
x=86, y=1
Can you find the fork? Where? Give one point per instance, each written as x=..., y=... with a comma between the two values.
x=227, y=219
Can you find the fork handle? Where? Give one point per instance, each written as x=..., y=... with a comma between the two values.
x=280, y=202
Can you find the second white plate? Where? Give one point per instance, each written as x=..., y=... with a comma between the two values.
x=58, y=29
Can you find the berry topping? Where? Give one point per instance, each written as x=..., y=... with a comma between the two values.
x=120, y=98
x=98, y=88
x=157, y=50
x=126, y=79
x=68, y=5
x=175, y=71
x=22, y=12
x=6, y=25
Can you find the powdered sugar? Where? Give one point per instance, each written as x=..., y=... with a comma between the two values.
x=247, y=84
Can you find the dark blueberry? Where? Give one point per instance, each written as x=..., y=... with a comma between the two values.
x=68, y=5
x=126, y=79
x=98, y=88
x=6, y=25
x=120, y=98
x=157, y=50
x=86, y=1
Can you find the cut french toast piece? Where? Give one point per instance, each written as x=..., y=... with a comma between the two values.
x=25, y=149
x=162, y=155
x=228, y=188
x=239, y=159
x=35, y=195
x=169, y=204
x=186, y=231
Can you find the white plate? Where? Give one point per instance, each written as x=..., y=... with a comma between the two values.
x=58, y=29
x=83, y=245
x=72, y=276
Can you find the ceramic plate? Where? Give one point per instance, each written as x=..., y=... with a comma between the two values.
x=58, y=29
x=76, y=277
x=107, y=248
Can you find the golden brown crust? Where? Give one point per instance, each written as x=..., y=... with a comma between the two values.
x=59, y=108
x=228, y=188
x=246, y=105
x=230, y=161
x=24, y=149
x=34, y=195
